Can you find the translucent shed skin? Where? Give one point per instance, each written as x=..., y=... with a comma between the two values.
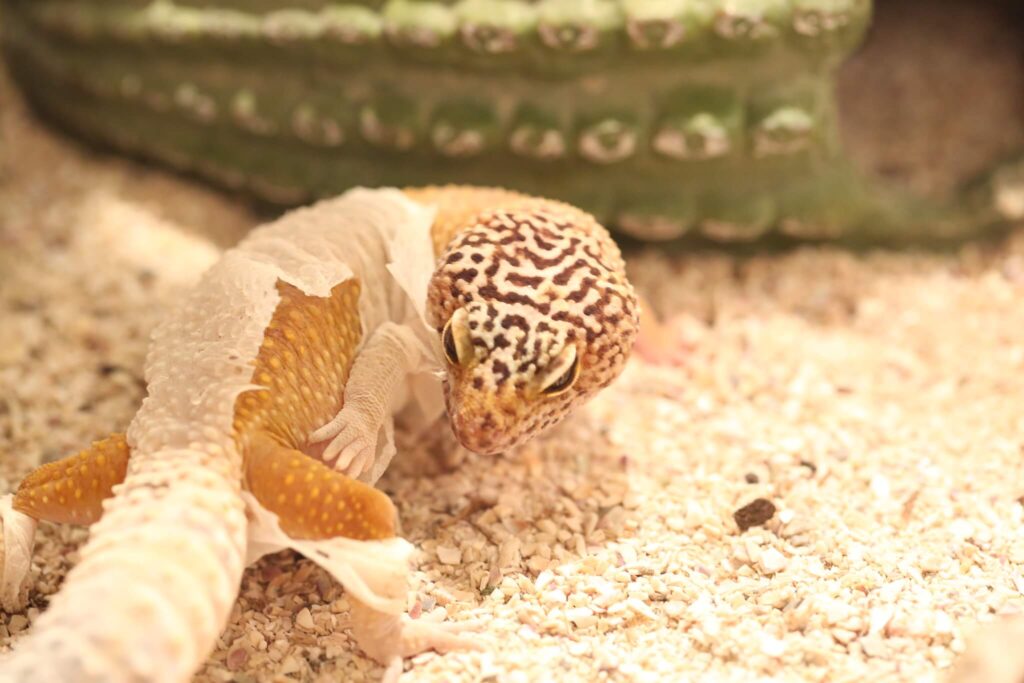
x=266, y=391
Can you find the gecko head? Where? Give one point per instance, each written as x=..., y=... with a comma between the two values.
x=534, y=316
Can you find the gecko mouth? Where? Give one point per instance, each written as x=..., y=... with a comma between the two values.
x=478, y=434
x=478, y=420
x=475, y=430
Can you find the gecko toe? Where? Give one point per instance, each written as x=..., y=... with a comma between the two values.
x=351, y=447
x=419, y=636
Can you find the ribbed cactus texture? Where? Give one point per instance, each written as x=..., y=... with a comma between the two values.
x=662, y=117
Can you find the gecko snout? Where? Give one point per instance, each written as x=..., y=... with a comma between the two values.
x=477, y=425
x=477, y=433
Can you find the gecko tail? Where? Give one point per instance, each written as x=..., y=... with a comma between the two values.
x=311, y=500
x=72, y=490
x=157, y=579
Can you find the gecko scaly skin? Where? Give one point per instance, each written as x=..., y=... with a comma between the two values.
x=272, y=389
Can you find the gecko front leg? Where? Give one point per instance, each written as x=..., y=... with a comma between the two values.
x=348, y=443
x=314, y=502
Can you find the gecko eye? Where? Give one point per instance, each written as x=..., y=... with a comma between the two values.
x=564, y=381
x=451, y=351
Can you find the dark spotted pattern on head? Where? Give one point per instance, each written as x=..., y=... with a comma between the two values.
x=531, y=290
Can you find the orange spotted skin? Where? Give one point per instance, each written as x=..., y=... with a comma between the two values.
x=313, y=501
x=72, y=490
x=304, y=363
x=458, y=205
x=302, y=368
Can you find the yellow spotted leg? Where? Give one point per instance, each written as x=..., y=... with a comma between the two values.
x=313, y=501
x=72, y=490
x=303, y=365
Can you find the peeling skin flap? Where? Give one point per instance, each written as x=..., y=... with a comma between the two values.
x=374, y=572
x=411, y=262
x=411, y=259
x=18, y=535
x=382, y=237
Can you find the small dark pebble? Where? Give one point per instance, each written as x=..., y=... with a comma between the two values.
x=809, y=465
x=107, y=369
x=751, y=478
x=754, y=513
x=24, y=306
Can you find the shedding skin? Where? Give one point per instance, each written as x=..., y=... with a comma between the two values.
x=310, y=345
x=304, y=362
x=527, y=359
x=457, y=206
x=348, y=442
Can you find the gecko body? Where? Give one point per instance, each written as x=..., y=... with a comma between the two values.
x=272, y=392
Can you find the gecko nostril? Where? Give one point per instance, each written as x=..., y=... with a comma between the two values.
x=475, y=434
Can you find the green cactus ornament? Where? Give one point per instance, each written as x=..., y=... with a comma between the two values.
x=664, y=118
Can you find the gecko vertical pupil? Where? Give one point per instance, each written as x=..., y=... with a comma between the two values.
x=451, y=351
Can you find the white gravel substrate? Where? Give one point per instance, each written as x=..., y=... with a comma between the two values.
x=877, y=400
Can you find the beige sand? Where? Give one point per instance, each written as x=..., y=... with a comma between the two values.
x=876, y=400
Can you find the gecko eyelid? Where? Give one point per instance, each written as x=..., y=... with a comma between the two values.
x=451, y=350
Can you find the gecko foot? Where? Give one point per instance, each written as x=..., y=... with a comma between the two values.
x=419, y=637
x=347, y=443
x=668, y=342
x=390, y=638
